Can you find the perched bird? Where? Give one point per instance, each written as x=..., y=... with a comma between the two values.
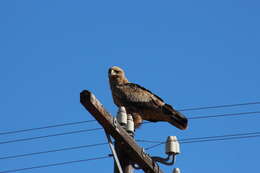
x=141, y=103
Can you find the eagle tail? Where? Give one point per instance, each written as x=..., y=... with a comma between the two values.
x=175, y=118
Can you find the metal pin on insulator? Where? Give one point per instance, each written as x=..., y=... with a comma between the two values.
x=130, y=124
x=172, y=146
x=176, y=170
x=122, y=116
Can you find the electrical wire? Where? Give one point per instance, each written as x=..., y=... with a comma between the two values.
x=216, y=116
x=157, y=143
x=219, y=106
x=104, y=157
x=51, y=151
x=183, y=141
x=220, y=136
x=94, y=129
x=206, y=139
x=200, y=138
x=55, y=164
x=87, y=121
x=221, y=139
x=46, y=127
x=223, y=115
x=47, y=136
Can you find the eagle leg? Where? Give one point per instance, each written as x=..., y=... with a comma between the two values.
x=138, y=120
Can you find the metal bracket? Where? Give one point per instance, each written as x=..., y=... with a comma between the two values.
x=143, y=153
x=114, y=153
x=115, y=122
x=166, y=160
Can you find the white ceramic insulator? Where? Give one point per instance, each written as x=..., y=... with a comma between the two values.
x=130, y=127
x=122, y=116
x=176, y=170
x=172, y=145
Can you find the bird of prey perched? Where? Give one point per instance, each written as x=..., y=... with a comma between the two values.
x=141, y=103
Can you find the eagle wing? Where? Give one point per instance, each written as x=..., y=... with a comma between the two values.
x=149, y=106
x=134, y=95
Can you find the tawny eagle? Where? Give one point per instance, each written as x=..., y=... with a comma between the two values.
x=141, y=103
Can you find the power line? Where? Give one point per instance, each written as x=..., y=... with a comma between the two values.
x=87, y=121
x=104, y=157
x=52, y=135
x=234, y=136
x=55, y=164
x=223, y=115
x=219, y=106
x=220, y=136
x=153, y=146
x=46, y=127
x=184, y=140
x=94, y=129
x=206, y=139
x=221, y=139
x=217, y=116
x=51, y=151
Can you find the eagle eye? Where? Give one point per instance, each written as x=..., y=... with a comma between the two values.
x=117, y=71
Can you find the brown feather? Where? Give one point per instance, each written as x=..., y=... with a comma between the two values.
x=142, y=103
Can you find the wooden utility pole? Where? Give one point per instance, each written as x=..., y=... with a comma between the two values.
x=125, y=162
x=132, y=153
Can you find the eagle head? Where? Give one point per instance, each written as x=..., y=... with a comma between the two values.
x=117, y=76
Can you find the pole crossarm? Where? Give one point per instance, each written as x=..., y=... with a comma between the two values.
x=124, y=140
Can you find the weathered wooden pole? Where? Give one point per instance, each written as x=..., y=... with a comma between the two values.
x=124, y=141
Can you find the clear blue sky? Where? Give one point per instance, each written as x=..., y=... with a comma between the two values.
x=191, y=53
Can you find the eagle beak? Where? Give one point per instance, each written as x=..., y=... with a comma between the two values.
x=112, y=72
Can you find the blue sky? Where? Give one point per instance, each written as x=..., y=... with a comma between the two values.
x=191, y=53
